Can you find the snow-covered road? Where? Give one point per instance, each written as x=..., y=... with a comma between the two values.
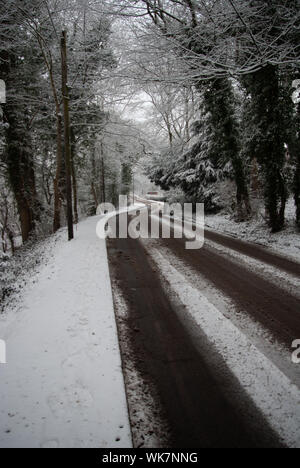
x=231, y=309
x=257, y=374
x=63, y=385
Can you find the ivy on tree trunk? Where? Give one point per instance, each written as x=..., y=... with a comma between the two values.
x=21, y=169
x=219, y=101
x=267, y=142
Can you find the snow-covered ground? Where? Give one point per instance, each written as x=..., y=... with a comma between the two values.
x=286, y=242
x=63, y=385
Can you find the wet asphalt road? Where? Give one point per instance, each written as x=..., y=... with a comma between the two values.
x=199, y=411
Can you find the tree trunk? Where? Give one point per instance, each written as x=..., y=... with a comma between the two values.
x=219, y=101
x=244, y=209
x=57, y=194
x=268, y=140
x=297, y=192
x=94, y=193
x=255, y=183
x=74, y=178
x=21, y=171
x=3, y=240
x=294, y=149
x=67, y=145
x=11, y=240
x=103, y=189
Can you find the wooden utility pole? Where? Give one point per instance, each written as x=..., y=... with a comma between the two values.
x=67, y=133
x=103, y=188
x=133, y=188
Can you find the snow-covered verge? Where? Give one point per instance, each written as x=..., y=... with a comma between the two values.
x=21, y=269
x=63, y=385
x=286, y=242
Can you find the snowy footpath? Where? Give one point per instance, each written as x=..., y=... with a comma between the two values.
x=63, y=385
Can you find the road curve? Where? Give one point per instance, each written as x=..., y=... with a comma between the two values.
x=255, y=251
x=276, y=309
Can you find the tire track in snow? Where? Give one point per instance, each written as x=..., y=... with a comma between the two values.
x=272, y=391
